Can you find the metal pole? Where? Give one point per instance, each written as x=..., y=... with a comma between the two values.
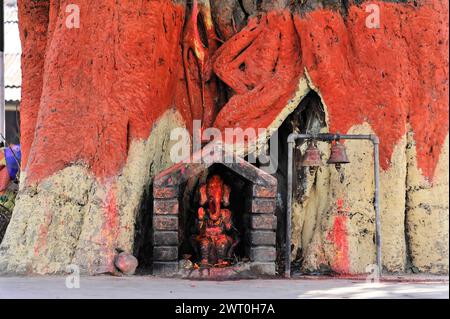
x=289, y=210
x=376, y=160
x=329, y=138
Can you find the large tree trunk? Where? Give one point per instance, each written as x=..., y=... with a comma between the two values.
x=99, y=103
x=86, y=117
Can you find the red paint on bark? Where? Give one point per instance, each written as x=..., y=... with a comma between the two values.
x=388, y=77
x=110, y=228
x=262, y=64
x=201, y=85
x=101, y=89
x=338, y=237
x=112, y=212
x=41, y=242
x=34, y=19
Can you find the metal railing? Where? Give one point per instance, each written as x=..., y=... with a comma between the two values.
x=326, y=137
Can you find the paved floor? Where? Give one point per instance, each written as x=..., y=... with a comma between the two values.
x=151, y=287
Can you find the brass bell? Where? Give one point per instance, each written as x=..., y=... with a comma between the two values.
x=312, y=157
x=338, y=155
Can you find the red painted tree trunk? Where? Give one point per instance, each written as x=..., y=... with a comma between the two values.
x=100, y=101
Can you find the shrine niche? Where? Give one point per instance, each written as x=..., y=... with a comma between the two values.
x=214, y=220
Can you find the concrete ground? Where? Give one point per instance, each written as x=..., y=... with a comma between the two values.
x=159, y=288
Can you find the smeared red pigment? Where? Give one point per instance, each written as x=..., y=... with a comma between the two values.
x=41, y=242
x=104, y=84
x=262, y=65
x=33, y=36
x=388, y=77
x=101, y=90
x=111, y=211
x=338, y=237
x=110, y=227
x=201, y=85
